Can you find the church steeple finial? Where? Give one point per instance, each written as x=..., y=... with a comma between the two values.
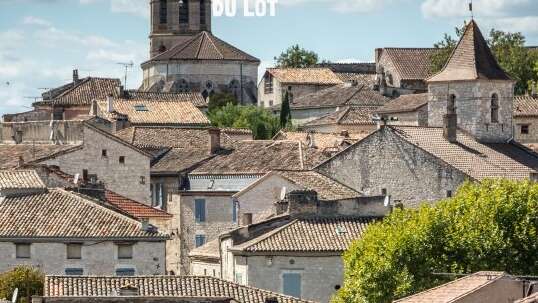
x=471, y=9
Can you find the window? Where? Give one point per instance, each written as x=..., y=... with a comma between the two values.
x=291, y=284
x=268, y=87
x=202, y=12
x=448, y=193
x=383, y=191
x=122, y=159
x=163, y=12
x=74, y=251
x=199, y=210
x=74, y=271
x=235, y=210
x=157, y=195
x=451, y=106
x=103, y=153
x=23, y=250
x=200, y=240
x=184, y=12
x=141, y=108
x=271, y=103
x=125, y=251
x=494, y=108
x=125, y=272
x=524, y=129
x=58, y=115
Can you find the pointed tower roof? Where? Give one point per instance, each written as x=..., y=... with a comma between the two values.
x=472, y=59
x=204, y=46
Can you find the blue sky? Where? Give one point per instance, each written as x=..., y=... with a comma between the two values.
x=41, y=41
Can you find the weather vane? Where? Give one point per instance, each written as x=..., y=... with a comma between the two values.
x=471, y=9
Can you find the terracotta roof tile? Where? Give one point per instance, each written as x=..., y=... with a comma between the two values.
x=20, y=179
x=159, y=286
x=11, y=153
x=349, y=115
x=411, y=63
x=321, y=140
x=62, y=214
x=525, y=106
x=195, y=98
x=319, y=76
x=340, y=95
x=472, y=59
x=452, y=291
x=134, y=208
x=85, y=91
x=404, y=103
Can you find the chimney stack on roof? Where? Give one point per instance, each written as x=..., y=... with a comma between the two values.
x=109, y=105
x=120, y=92
x=214, y=140
x=247, y=219
x=302, y=202
x=75, y=77
x=450, y=126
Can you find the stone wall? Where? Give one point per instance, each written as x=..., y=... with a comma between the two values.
x=205, y=268
x=385, y=161
x=473, y=100
x=98, y=258
x=532, y=136
x=40, y=132
x=279, y=89
x=130, y=179
x=336, y=129
x=302, y=116
x=414, y=118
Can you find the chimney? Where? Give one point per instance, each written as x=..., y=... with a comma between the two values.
x=247, y=219
x=450, y=126
x=109, y=104
x=85, y=175
x=75, y=77
x=378, y=52
x=20, y=162
x=214, y=140
x=302, y=202
x=93, y=109
x=120, y=92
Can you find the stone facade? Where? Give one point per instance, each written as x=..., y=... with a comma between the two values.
x=418, y=117
x=130, y=178
x=473, y=101
x=339, y=128
x=275, y=97
x=98, y=258
x=531, y=123
x=384, y=162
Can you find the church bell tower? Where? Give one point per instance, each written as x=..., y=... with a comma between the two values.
x=175, y=21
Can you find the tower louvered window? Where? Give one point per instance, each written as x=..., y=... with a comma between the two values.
x=184, y=12
x=202, y=12
x=494, y=108
x=163, y=12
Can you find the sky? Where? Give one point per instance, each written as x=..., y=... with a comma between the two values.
x=42, y=41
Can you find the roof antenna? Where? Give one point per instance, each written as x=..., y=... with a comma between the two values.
x=127, y=66
x=471, y=9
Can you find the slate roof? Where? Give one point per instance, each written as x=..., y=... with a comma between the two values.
x=85, y=91
x=316, y=76
x=159, y=286
x=327, y=188
x=309, y=235
x=20, y=179
x=204, y=46
x=411, y=63
x=525, y=106
x=59, y=214
x=340, y=95
x=321, y=140
x=472, y=59
x=477, y=160
x=154, y=112
x=10, y=153
x=455, y=290
x=404, y=103
x=134, y=208
x=195, y=98
x=349, y=115
x=262, y=156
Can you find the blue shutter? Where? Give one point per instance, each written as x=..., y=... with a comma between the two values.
x=200, y=240
x=234, y=210
x=74, y=271
x=291, y=284
x=199, y=210
x=124, y=272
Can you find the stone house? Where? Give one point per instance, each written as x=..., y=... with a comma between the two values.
x=480, y=287
x=405, y=110
x=295, y=81
x=402, y=71
x=298, y=252
x=526, y=119
x=349, y=119
x=159, y=289
x=362, y=73
x=62, y=232
x=464, y=140
x=324, y=141
x=318, y=104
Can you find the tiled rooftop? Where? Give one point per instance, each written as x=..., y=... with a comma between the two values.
x=134, y=208
x=525, y=106
x=20, y=179
x=159, y=286
x=320, y=140
x=320, y=76
x=404, y=103
x=411, y=63
x=195, y=98
x=11, y=153
x=340, y=95
x=349, y=115
x=85, y=91
x=60, y=214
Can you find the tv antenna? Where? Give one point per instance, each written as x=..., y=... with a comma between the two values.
x=126, y=66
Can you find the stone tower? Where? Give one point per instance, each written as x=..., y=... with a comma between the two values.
x=175, y=21
x=473, y=90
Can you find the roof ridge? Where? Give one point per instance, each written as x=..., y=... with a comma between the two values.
x=267, y=235
x=208, y=37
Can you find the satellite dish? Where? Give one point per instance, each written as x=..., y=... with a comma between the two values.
x=283, y=193
x=386, y=203
x=15, y=295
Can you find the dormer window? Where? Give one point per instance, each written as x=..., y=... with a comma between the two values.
x=494, y=108
x=451, y=106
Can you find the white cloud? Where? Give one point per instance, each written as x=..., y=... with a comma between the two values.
x=31, y=20
x=342, y=6
x=133, y=7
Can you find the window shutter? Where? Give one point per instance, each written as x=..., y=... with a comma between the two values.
x=199, y=210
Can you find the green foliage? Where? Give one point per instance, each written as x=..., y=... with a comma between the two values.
x=264, y=124
x=488, y=226
x=295, y=56
x=285, y=111
x=219, y=100
x=509, y=50
x=27, y=279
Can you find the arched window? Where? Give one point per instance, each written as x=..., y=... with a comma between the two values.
x=234, y=87
x=202, y=12
x=184, y=12
x=494, y=108
x=163, y=11
x=451, y=106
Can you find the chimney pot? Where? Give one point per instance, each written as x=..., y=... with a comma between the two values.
x=214, y=140
x=247, y=219
x=450, y=126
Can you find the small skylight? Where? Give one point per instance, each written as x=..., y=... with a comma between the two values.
x=340, y=230
x=141, y=108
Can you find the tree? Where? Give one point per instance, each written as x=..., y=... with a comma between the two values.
x=295, y=56
x=285, y=111
x=509, y=50
x=219, y=100
x=264, y=124
x=488, y=226
x=27, y=279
